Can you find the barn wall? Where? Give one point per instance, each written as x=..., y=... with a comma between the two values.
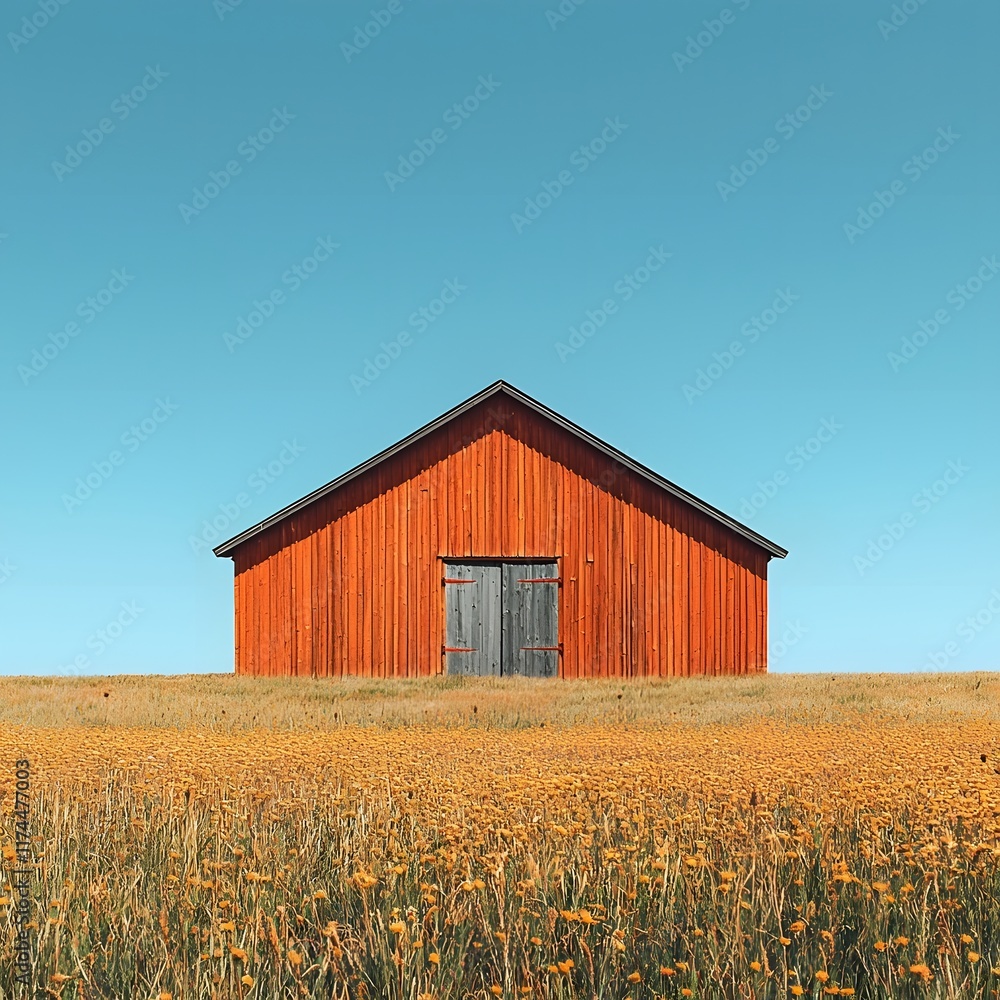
x=352, y=584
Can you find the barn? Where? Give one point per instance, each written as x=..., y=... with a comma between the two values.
x=500, y=539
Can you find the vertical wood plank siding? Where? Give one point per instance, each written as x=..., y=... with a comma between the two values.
x=352, y=583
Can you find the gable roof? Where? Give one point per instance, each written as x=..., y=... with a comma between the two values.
x=226, y=548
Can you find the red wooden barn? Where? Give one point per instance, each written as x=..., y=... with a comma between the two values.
x=500, y=539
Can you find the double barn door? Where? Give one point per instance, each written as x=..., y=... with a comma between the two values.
x=502, y=618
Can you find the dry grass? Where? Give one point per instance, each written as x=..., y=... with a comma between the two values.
x=225, y=703
x=214, y=837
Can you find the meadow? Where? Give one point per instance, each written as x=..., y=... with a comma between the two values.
x=766, y=837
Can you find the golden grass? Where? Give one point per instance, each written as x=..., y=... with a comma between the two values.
x=223, y=702
x=763, y=838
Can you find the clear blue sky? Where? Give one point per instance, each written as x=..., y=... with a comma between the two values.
x=167, y=170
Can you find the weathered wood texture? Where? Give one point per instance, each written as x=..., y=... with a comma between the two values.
x=473, y=609
x=354, y=582
x=531, y=619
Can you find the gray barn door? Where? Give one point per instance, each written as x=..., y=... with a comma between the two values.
x=531, y=619
x=472, y=619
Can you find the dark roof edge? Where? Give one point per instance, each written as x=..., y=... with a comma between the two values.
x=226, y=548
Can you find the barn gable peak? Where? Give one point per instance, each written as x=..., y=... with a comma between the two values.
x=504, y=388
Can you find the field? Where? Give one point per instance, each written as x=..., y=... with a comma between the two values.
x=730, y=838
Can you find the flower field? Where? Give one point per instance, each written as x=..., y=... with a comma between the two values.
x=754, y=859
